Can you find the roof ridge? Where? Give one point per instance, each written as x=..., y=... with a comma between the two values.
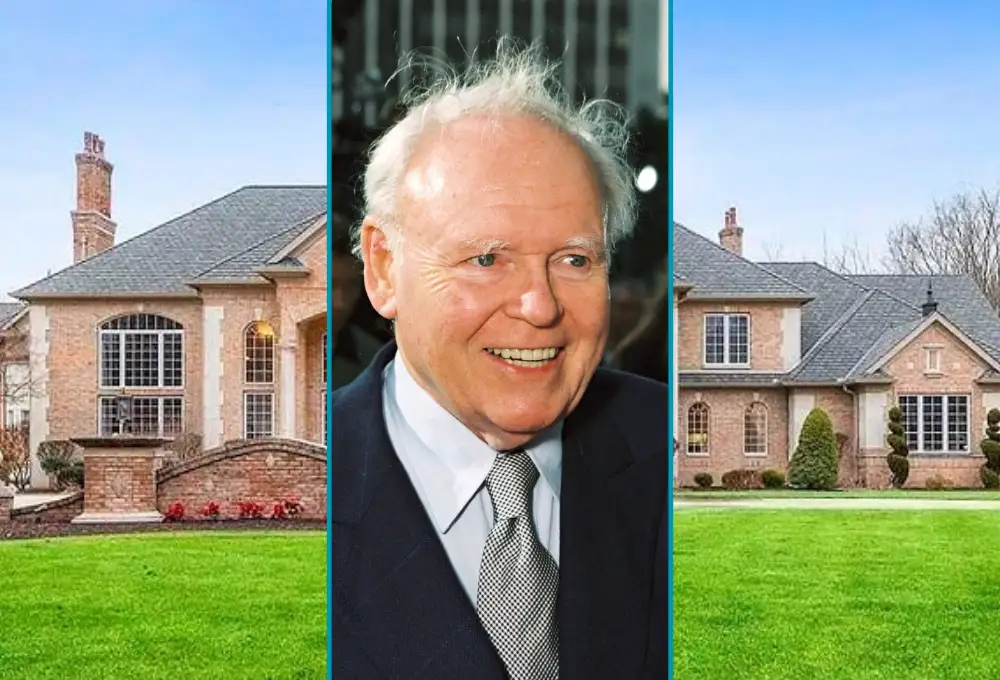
x=748, y=261
x=259, y=244
x=834, y=272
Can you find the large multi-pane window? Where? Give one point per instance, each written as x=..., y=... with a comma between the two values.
x=141, y=350
x=936, y=423
x=148, y=416
x=697, y=432
x=258, y=409
x=727, y=340
x=755, y=429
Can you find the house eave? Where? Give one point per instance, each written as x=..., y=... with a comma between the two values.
x=114, y=295
x=748, y=297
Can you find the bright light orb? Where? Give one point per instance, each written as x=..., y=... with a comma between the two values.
x=646, y=180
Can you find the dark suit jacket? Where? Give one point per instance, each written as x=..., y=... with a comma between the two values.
x=398, y=609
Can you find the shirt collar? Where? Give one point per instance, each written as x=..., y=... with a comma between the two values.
x=452, y=464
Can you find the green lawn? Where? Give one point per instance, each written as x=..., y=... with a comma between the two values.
x=197, y=605
x=850, y=595
x=959, y=494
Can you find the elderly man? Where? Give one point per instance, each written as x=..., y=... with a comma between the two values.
x=499, y=504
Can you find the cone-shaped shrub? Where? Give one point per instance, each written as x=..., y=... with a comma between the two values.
x=991, y=445
x=899, y=465
x=814, y=463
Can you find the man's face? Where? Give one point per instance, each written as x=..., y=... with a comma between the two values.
x=500, y=292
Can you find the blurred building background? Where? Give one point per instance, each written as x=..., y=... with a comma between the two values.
x=613, y=49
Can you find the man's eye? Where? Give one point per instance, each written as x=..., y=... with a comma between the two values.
x=577, y=260
x=486, y=260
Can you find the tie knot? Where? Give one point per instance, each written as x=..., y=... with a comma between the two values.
x=510, y=482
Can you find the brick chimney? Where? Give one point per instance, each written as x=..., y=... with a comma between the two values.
x=731, y=236
x=93, y=230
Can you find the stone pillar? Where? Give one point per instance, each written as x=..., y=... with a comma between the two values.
x=119, y=477
x=288, y=396
x=6, y=503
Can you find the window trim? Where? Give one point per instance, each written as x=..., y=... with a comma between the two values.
x=708, y=431
x=932, y=351
x=246, y=357
x=256, y=393
x=726, y=316
x=765, y=430
x=121, y=333
x=920, y=451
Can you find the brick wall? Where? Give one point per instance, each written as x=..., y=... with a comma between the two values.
x=262, y=471
x=242, y=306
x=726, y=450
x=73, y=381
x=839, y=405
x=119, y=483
x=55, y=512
x=765, y=333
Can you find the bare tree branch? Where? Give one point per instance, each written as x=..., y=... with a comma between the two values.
x=960, y=236
x=851, y=259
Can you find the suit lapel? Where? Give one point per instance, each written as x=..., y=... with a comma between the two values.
x=606, y=563
x=394, y=588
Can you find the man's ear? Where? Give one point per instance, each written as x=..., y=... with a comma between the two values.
x=378, y=268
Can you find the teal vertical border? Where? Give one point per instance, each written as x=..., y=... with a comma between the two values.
x=329, y=328
x=672, y=341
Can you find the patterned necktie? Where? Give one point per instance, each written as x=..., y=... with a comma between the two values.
x=518, y=579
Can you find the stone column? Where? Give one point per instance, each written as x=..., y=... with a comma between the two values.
x=119, y=477
x=6, y=503
x=286, y=427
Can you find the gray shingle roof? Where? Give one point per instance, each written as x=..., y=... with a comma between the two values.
x=244, y=265
x=959, y=300
x=835, y=295
x=162, y=260
x=836, y=354
x=717, y=273
x=8, y=310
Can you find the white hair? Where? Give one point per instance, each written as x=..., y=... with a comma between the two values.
x=518, y=81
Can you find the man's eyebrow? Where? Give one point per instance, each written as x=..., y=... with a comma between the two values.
x=484, y=246
x=593, y=245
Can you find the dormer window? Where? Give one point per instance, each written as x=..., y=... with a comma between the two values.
x=727, y=340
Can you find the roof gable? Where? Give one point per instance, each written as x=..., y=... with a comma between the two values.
x=918, y=329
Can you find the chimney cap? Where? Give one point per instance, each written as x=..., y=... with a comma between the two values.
x=93, y=144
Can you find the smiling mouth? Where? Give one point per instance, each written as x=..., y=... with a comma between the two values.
x=526, y=358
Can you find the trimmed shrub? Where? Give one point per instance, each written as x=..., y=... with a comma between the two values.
x=938, y=483
x=741, y=480
x=703, y=480
x=773, y=479
x=991, y=444
x=814, y=463
x=899, y=464
x=989, y=478
x=60, y=459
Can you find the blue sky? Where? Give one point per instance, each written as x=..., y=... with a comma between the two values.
x=193, y=99
x=836, y=119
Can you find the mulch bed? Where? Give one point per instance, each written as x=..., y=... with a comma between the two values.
x=17, y=529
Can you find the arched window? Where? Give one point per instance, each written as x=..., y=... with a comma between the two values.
x=697, y=431
x=142, y=350
x=258, y=345
x=139, y=352
x=755, y=430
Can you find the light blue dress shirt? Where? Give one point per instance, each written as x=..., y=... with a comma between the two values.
x=448, y=465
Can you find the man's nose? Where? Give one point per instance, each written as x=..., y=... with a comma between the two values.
x=537, y=303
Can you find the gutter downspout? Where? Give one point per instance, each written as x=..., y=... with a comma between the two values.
x=857, y=431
